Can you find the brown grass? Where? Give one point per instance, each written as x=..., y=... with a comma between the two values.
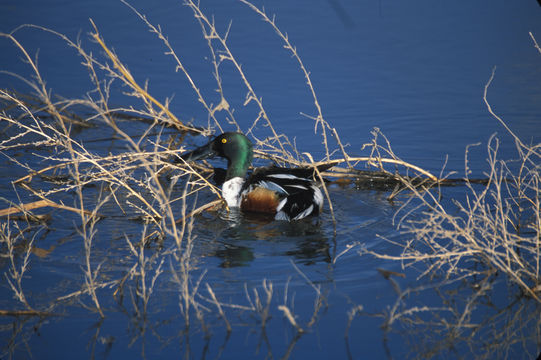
x=498, y=225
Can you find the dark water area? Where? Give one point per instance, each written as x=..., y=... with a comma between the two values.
x=415, y=70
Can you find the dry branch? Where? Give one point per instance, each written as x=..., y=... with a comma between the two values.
x=39, y=204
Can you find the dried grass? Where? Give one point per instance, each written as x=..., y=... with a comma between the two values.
x=498, y=225
x=470, y=252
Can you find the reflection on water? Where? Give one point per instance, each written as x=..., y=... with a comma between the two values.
x=232, y=255
x=304, y=240
x=475, y=317
x=234, y=236
x=478, y=316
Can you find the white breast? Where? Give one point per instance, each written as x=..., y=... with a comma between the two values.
x=231, y=190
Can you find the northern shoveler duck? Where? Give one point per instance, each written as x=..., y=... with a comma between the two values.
x=289, y=194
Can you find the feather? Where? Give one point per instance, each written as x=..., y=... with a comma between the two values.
x=260, y=200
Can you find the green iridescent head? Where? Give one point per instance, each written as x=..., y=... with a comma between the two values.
x=233, y=146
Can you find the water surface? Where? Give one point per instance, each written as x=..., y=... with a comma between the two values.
x=415, y=70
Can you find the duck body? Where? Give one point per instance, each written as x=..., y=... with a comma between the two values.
x=288, y=194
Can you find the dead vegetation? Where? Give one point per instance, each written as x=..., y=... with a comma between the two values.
x=479, y=255
x=498, y=225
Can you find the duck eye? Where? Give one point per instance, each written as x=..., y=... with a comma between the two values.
x=224, y=140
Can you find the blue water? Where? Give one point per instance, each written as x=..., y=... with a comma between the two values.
x=416, y=70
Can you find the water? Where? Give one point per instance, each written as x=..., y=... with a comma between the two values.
x=415, y=70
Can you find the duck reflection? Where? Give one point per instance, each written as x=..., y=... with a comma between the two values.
x=239, y=243
x=311, y=251
x=233, y=256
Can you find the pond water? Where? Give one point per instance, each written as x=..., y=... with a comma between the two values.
x=416, y=70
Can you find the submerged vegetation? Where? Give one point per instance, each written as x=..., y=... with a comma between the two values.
x=494, y=232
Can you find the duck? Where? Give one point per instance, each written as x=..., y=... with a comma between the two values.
x=288, y=194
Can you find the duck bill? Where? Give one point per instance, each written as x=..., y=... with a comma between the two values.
x=203, y=152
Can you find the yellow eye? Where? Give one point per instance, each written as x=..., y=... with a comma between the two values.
x=224, y=140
